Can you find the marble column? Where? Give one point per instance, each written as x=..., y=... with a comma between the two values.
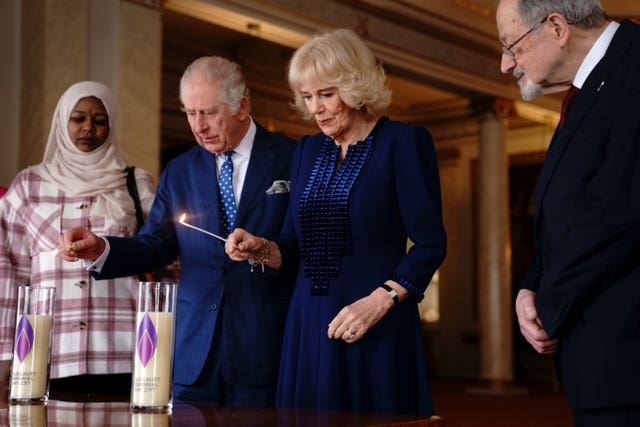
x=494, y=249
x=118, y=43
x=140, y=82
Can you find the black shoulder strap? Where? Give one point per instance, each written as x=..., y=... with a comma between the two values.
x=133, y=191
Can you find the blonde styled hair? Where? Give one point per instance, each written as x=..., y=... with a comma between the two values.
x=339, y=58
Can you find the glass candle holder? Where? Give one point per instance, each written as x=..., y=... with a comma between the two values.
x=151, y=387
x=32, y=345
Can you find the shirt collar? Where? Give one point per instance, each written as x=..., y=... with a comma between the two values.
x=596, y=53
x=246, y=143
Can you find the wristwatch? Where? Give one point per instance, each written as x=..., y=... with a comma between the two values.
x=392, y=293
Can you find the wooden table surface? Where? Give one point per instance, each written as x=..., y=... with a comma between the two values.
x=95, y=412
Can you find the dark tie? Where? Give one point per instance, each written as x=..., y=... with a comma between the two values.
x=225, y=183
x=566, y=104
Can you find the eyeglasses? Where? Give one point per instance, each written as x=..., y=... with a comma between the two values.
x=506, y=50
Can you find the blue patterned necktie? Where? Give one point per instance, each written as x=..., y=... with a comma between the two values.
x=225, y=183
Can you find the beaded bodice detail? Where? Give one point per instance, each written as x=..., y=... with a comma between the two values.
x=324, y=209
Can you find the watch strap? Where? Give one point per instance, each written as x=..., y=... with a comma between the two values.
x=392, y=293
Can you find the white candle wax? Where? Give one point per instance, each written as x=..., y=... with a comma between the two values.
x=151, y=386
x=29, y=376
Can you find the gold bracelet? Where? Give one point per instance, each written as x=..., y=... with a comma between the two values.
x=263, y=257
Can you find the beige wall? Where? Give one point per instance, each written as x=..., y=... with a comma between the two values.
x=55, y=43
x=9, y=89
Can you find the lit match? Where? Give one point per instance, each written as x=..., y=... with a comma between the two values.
x=182, y=221
x=55, y=251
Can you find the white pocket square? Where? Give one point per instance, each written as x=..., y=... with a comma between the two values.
x=279, y=186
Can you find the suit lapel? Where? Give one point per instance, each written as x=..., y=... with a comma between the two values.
x=259, y=169
x=581, y=105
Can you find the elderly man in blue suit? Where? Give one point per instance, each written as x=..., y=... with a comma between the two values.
x=230, y=320
x=581, y=299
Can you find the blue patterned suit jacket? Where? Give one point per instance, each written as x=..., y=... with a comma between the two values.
x=255, y=303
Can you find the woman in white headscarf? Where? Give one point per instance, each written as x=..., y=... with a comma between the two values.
x=81, y=182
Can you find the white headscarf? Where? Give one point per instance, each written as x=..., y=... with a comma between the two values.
x=99, y=173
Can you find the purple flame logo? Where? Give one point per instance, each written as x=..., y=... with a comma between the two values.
x=147, y=339
x=24, y=338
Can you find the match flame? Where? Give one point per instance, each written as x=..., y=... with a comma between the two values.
x=55, y=251
x=186, y=224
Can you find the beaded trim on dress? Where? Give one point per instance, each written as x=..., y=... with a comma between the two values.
x=324, y=209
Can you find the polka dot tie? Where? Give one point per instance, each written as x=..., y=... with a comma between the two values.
x=225, y=183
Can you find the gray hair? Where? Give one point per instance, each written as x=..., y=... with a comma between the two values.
x=586, y=13
x=226, y=74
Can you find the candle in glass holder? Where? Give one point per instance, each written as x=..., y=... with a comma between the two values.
x=151, y=387
x=32, y=345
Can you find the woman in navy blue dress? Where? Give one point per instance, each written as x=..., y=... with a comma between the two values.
x=359, y=189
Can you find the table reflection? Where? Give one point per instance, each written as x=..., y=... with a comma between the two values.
x=92, y=413
x=27, y=415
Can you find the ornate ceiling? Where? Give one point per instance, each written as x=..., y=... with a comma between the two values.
x=441, y=55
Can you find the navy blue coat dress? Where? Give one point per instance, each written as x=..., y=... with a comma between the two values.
x=348, y=230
